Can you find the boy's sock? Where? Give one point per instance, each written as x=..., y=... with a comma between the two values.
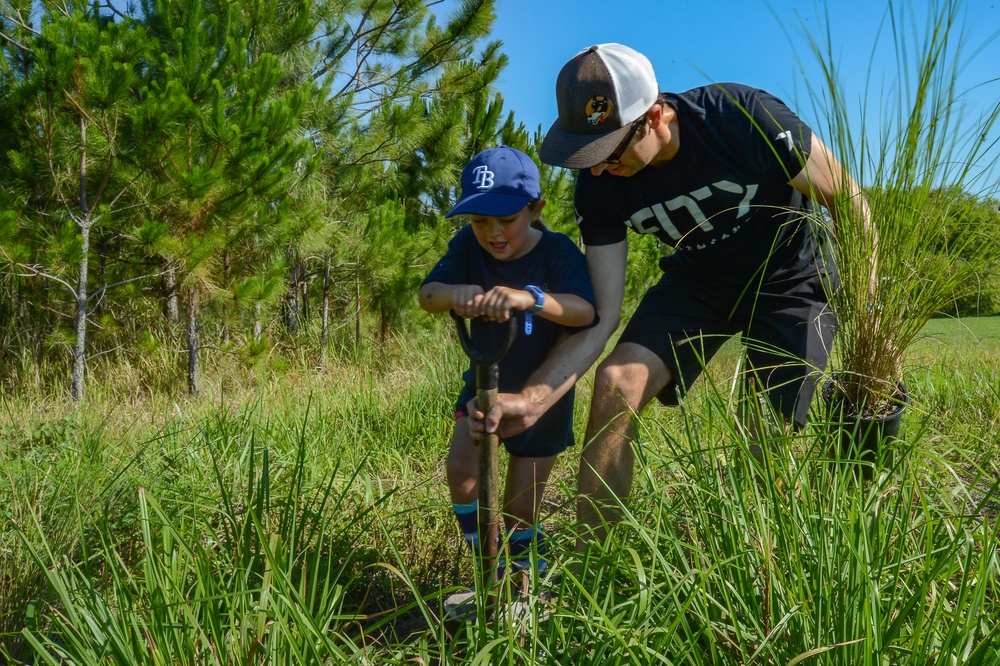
x=468, y=521
x=519, y=547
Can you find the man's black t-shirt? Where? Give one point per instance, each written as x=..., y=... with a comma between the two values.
x=723, y=201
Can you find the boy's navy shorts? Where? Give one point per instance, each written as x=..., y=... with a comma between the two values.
x=787, y=328
x=551, y=435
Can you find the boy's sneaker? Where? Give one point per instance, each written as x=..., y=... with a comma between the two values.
x=527, y=606
x=533, y=601
x=520, y=610
x=460, y=607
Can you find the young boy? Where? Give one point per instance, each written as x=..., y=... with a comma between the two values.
x=505, y=261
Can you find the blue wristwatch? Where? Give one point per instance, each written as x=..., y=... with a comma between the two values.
x=538, y=294
x=539, y=304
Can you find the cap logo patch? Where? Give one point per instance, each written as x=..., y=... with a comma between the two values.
x=484, y=177
x=599, y=109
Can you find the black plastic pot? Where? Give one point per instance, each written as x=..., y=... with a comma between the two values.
x=864, y=439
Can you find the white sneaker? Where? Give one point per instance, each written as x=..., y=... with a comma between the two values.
x=523, y=609
x=460, y=607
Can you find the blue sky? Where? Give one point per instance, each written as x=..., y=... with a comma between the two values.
x=692, y=42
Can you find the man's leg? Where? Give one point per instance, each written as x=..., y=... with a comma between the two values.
x=788, y=345
x=623, y=384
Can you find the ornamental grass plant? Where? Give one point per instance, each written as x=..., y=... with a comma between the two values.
x=919, y=154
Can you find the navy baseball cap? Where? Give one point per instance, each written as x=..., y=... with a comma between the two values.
x=498, y=182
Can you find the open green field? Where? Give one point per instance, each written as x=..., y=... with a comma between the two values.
x=974, y=333
x=301, y=517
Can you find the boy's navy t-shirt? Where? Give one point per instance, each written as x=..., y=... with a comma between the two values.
x=555, y=265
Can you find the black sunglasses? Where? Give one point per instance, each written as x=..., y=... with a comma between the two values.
x=616, y=156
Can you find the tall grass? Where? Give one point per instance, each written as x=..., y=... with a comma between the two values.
x=311, y=525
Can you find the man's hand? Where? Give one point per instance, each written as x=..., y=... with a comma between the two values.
x=511, y=415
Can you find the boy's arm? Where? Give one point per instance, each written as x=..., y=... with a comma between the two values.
x=568, y=310
x=464, y=299
x=564, y=309
x=570, y=359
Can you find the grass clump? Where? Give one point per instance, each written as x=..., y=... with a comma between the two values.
x=914, y=248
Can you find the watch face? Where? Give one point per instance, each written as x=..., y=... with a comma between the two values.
x=538, y=294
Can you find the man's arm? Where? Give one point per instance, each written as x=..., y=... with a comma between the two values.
x=571, y=358
x=824, y=180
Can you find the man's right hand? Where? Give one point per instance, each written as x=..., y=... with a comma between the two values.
x=511, y=414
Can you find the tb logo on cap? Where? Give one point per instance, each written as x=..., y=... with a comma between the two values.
x=483, y=179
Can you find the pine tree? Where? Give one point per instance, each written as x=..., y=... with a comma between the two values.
x=224, y=117
x=69, y=88
x=397, y=142
x=252, y=156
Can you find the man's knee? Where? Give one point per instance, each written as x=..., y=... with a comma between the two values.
x=632, y=374
x=614, y=382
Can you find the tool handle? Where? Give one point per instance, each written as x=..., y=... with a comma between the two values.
x=486, y=395
x=485, y=360
x=489, y=485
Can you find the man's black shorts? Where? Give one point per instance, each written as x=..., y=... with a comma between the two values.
x=786, y=325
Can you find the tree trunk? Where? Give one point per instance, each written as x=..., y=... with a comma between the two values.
x=170, y=279
x=325, y=332
x=192, y=339
x=293, y=305
x=39, y=323
x=16, y=324
x=357, y=314
x=226, y=276
x=258, y=327
x=303, y=294
x=80, y=316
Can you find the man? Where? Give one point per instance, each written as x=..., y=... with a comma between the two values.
x=725, y=174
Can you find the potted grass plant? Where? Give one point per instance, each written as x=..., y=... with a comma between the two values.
x=908, y=254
